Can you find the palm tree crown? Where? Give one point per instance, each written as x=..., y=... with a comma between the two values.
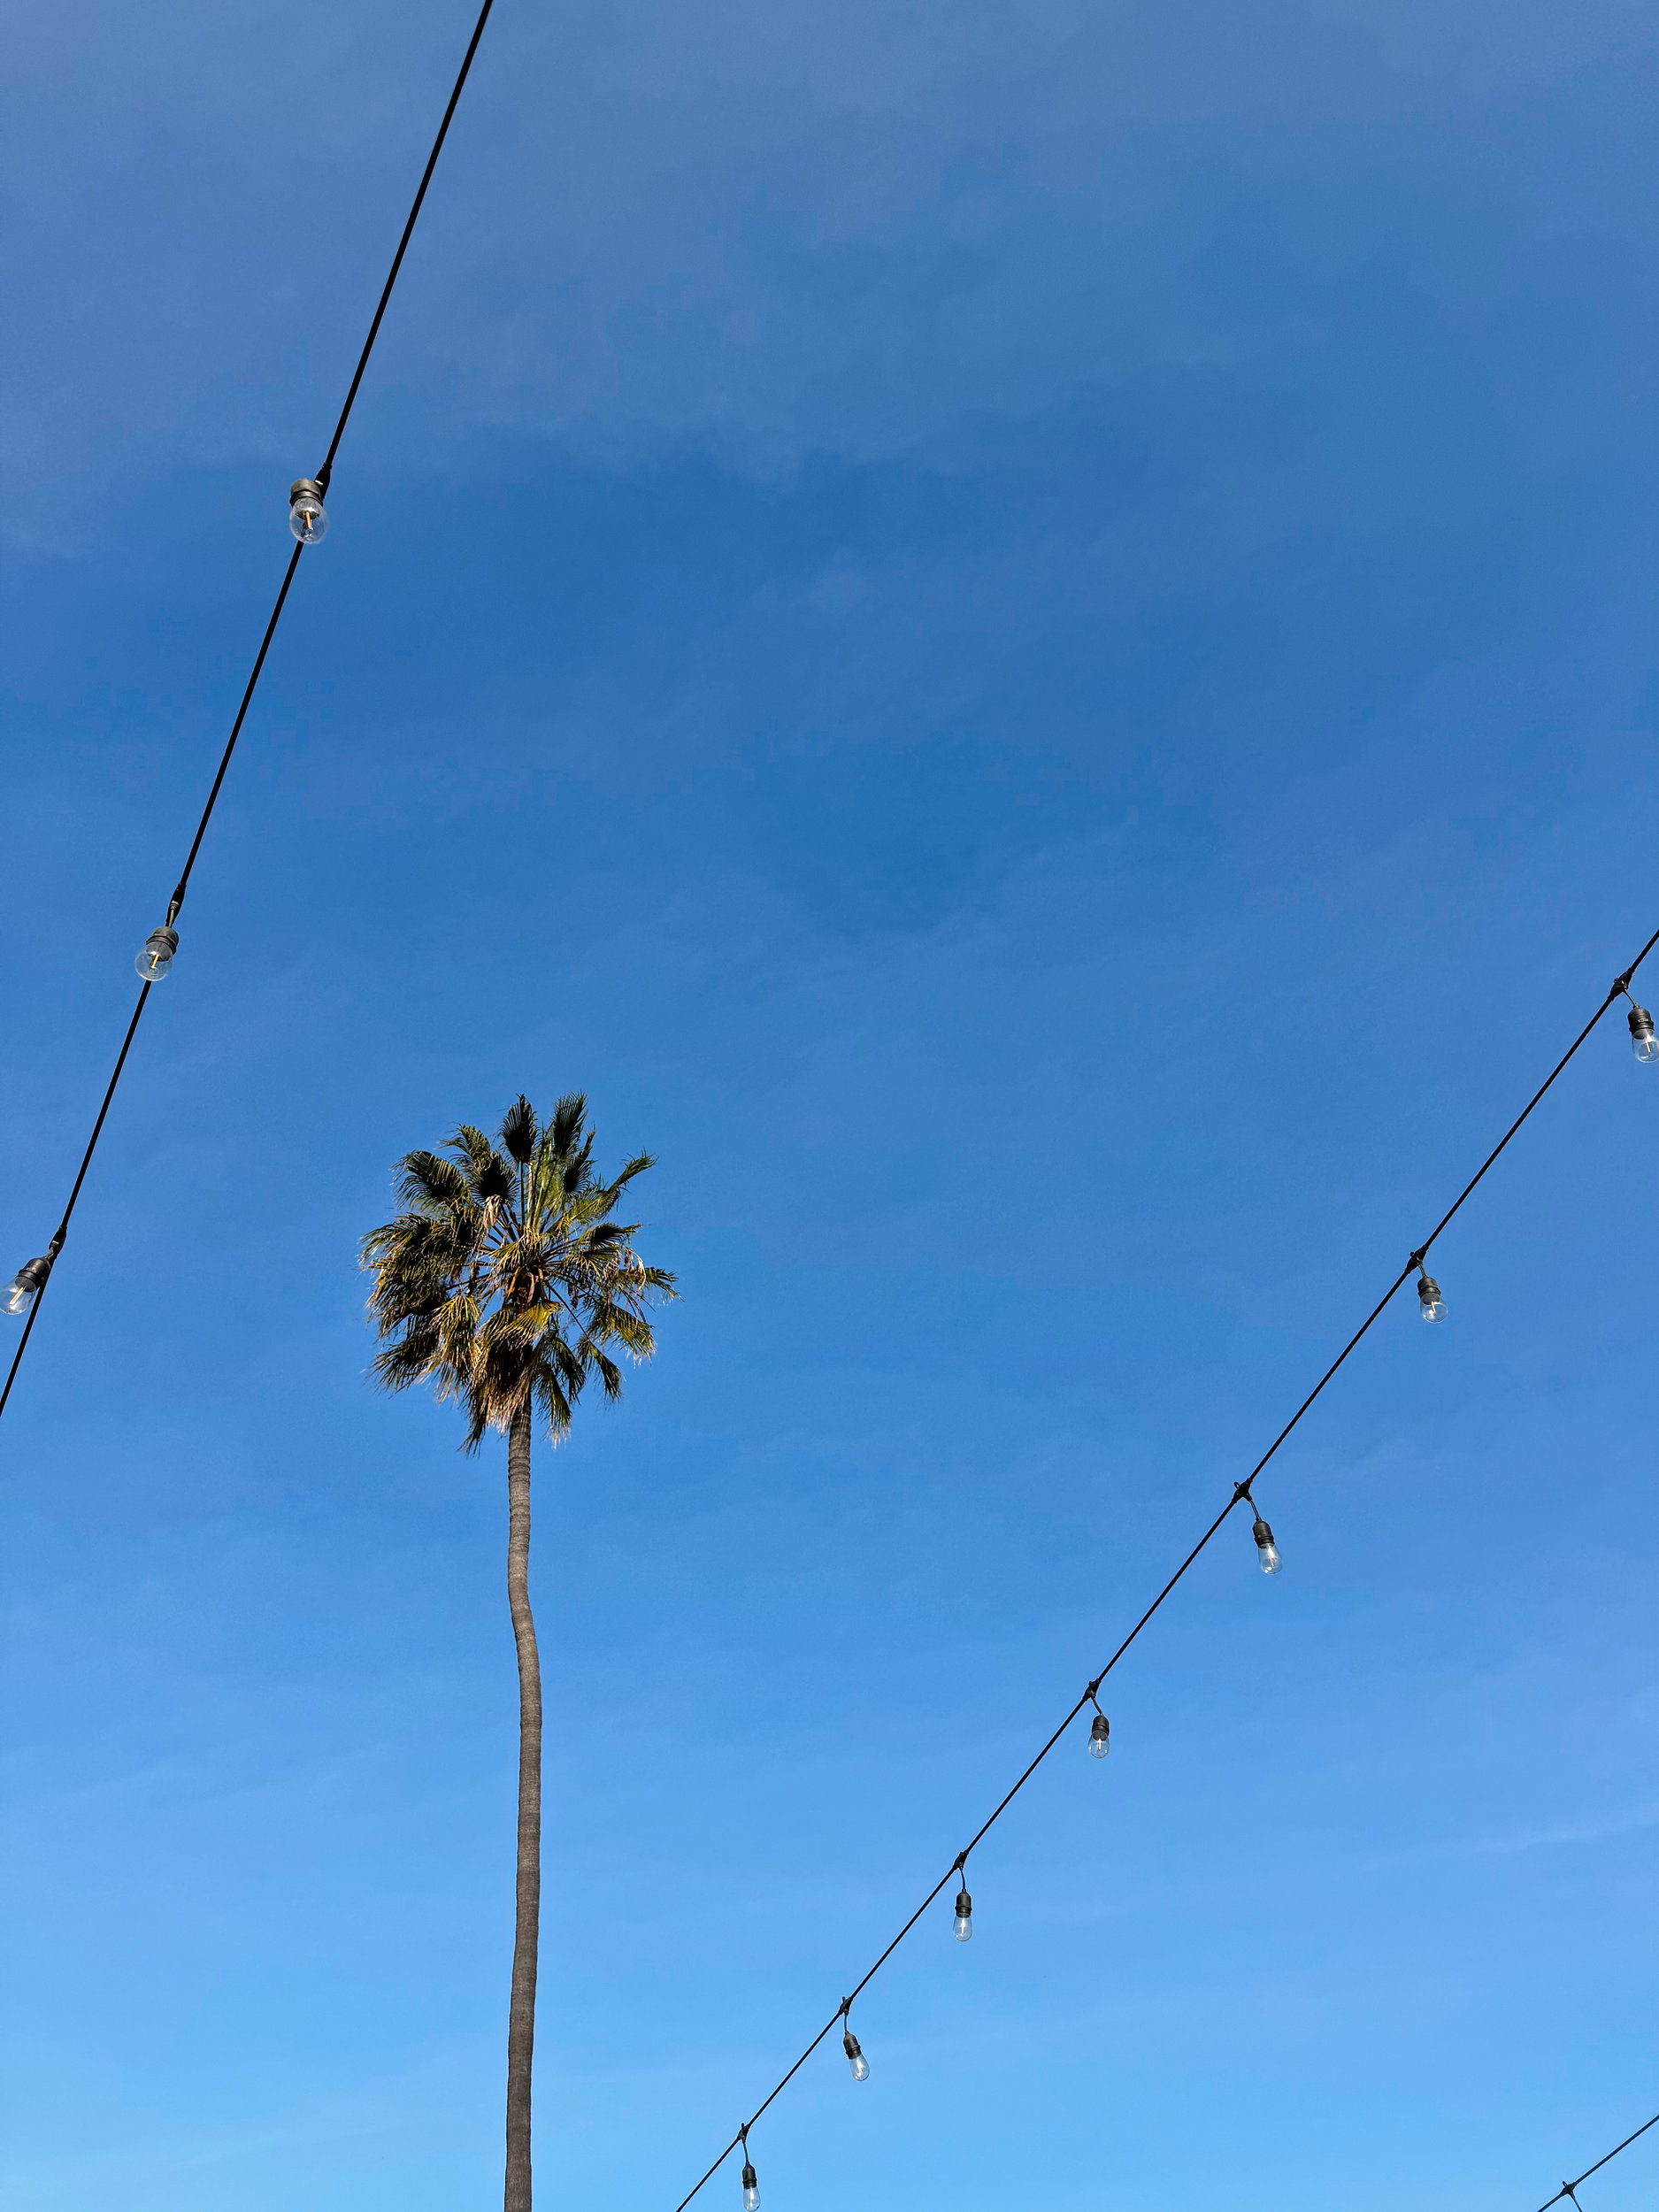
x=507, y=1277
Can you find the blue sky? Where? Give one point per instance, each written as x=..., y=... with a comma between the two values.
x=1022, y=638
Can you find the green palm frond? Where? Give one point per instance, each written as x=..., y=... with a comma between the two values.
x=431, y=1183
x=609, y=1373
x=508, y=1276
x=637, y=1165
x=556, y=1407
x=519, y=1131
x=489, y=1175
x=567, y=1138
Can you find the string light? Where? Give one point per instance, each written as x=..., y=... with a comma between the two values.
x=751, y=2187
x=308, y=517
x=1431, y=1305
x=155, y=961
x=26, y=1285
x=1100, y=1732
x=850, y=2044
x=1271, y=1562
x=1643, y=1042
x=307, y=520
x=1266, y=1549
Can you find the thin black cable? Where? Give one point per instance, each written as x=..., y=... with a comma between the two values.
x=323, y=475
x=183, y=885
x=1567, y=2187
x=1240, y=1495
x=326, y=469
x=85, y=1161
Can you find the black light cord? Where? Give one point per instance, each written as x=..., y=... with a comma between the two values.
x=322, y=477
x=56, y=1246
x=1241, y=1496
x=1568, y=2188
x=183, y=884
x=324, y=473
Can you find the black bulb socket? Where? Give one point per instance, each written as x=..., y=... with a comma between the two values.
x=1640, y=1023
x=1100, y=1728
x=849, y=2044
x=165, y=936
x=964, y=1905
x=33, y=1272
x=1263, y=1534
x=301, y=485
x=1428, y=1290
x=750, y=2180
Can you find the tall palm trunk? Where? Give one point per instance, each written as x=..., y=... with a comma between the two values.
x=521, y=2009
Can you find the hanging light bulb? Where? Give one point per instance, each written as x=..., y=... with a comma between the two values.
x=26, y=1286
x=1271, y=1560
x=1100, y=1736
x=1431, y=1305
x=856, y=2058
x=1643, y=1042
x=963, y=1929
x=751, y=2188
x=156, y=960
x=308, y=517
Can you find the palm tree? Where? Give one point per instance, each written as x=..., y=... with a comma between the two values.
x=501, y=1286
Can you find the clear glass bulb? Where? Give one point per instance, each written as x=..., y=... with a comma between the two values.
x=964, y=1928
x=1431, y=1305
x=1266, y=1549
x=1643, y=1042
x=156, y=960
x=751, y=2188
x=1100, y=1737
x=308, y=518
x=856, y=2058
x=26, y=1285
